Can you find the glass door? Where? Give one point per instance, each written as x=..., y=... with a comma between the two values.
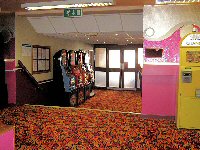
x=121, y=69
x=129, y=69
x=100, y=67
x=115, y=67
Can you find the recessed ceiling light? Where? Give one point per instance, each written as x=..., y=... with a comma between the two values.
x=131, y=42
x=116, y=34
x=127, y=40
x=88, y=38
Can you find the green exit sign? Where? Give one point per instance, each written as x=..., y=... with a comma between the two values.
x=73, y=12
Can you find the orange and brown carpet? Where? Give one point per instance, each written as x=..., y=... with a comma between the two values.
x=124, y=101
x=54, y=128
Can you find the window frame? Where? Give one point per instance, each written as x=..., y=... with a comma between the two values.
x=41, y=59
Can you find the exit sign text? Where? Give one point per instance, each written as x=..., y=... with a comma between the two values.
x=73, y=12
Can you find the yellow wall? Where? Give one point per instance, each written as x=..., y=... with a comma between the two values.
x=25, y=34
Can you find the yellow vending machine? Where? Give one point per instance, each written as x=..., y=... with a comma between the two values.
x=188, y=113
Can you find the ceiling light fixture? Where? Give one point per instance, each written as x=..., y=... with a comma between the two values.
x=176, y=1
x=67, y=4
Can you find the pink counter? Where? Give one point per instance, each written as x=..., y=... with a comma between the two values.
x=159, y=89
x=7, y=137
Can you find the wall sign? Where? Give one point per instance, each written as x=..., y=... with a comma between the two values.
x=73, y=12
x=191, y=40
x=26, y=49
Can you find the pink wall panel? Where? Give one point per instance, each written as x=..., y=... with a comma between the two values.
x=159, y=90
x=11, y=81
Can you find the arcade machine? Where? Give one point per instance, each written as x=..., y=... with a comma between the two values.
x=188, y=114
x=63, y=79
x=90, y=77
x=80, y=76
x=3, y=86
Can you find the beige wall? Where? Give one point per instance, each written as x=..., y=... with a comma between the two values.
x=166, y=19
x=25, y=34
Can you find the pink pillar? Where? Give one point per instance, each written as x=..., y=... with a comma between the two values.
x=159, y=86
x=11, y=81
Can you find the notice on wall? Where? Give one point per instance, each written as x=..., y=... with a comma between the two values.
x=47, y=53
x=35, y=53
x=39, y=53
x=41, y=65
x=47, y=65
x=43, y=53
x=35, y=65
x=26, y=49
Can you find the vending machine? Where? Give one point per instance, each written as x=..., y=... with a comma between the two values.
x=188, y=113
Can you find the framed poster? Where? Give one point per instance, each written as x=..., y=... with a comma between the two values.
x=35, y=65
x=35, y=53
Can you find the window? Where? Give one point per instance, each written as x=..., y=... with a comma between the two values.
x=40, y=59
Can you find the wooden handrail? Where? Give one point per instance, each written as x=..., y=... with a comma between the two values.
x=30, y=76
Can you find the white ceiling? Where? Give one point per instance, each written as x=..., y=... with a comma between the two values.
x=93, y=29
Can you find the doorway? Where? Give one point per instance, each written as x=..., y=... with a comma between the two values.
x=115, y=66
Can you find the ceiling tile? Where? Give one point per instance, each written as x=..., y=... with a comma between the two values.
x=86, y=23
x=132, y=22
x=109, y=22
x=62, y=24
x=41, y=24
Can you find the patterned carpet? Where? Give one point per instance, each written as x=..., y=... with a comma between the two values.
x=125, y=101
x=48, y=128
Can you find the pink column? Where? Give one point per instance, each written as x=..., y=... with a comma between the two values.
x=11, y=81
